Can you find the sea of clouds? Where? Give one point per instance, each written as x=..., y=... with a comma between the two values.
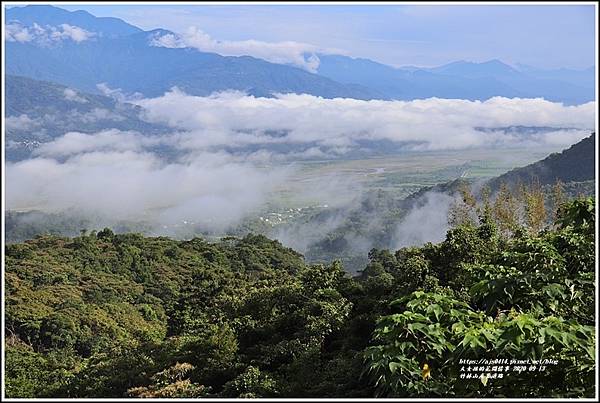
x=229, y=151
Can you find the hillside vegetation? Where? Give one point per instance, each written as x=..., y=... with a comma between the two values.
x=107, y=315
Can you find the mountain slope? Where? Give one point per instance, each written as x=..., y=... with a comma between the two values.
x=126, y=58
x=575, y=164
x=38, y=111
x=53, y=16
x=571, y=166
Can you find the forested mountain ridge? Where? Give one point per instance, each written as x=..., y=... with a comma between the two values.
x=575, y=164
x=106, y=315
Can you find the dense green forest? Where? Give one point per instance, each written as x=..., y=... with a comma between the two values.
x=116, y=315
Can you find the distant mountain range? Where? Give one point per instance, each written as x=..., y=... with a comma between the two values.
x=123, y=57
x=80, y=50
x=464, y=80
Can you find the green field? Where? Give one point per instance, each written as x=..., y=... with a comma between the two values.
x=402, y=174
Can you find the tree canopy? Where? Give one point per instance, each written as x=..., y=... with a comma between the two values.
x=123, y=315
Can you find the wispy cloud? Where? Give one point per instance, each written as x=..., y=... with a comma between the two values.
x=71, y=95
x=427, y=222
x=15, y=32
x=109, y=175
x=288, y=52
x=45, y=35
x=112, y=140
x=21, y=122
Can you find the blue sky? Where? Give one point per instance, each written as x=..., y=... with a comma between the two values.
x=548, y=36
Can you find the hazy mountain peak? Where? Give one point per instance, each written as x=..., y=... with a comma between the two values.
x=497, y=63
x=493, y=66
x=46, y=15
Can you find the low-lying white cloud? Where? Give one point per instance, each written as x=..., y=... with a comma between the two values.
x=338, y=126
x=287, y=52
x=117, y=93
x=111, y=140
x=426, y=222
x=109, y=174
x=21, y=122
x=228, y=153
x=15, y=32
x=73, y=96
x=95, y=115
x=74, y=33
x=44, y=35
x=53, y=119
